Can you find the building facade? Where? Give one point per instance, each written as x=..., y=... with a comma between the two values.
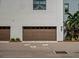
x=32, y=20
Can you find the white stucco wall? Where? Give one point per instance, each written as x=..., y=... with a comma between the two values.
x=18, y=13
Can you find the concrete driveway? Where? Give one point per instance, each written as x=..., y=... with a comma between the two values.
x=39, y=50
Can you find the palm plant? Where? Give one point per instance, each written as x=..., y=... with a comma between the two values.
x=72, y=26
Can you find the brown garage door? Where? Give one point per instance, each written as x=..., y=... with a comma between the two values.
x=39, y=33
x=4, y=33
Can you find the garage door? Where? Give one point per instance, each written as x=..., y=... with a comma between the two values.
x=39, y=33
x=4, y=33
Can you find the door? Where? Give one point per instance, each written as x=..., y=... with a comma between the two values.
x=4, y=33
x=39, y=33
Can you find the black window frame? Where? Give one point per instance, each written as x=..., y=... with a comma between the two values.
x=66, y=8
x=37, y=3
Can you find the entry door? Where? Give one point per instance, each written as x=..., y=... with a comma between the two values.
x=39, y=33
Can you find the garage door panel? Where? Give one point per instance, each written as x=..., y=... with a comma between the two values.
x=4, y=33
x=39, y=34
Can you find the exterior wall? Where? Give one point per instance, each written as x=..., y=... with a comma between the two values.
x=73, y=6
x=18, y=13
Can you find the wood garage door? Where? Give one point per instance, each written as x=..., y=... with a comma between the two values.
x=39, y=33
x=4, y=33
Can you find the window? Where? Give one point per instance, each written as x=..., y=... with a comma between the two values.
x=39, y=4
x=66, y=7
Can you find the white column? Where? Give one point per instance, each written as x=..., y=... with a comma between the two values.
x=60, y=20
x=16, y=32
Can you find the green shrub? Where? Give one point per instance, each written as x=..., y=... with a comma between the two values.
x=18, y=40
x=72, y=26
x=13, y=40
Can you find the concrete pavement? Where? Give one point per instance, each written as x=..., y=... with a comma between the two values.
x=39, y=50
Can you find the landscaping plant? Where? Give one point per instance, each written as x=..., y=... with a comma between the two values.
x=18, y=40
x=72, y=26
x=13, y=40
